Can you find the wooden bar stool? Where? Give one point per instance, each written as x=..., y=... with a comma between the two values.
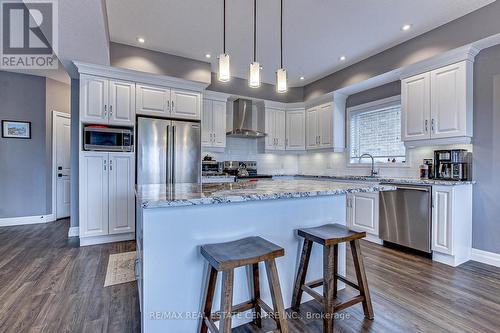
x=225, y=257
x=330, y=235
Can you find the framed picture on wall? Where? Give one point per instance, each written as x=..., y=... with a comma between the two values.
x=16, y=129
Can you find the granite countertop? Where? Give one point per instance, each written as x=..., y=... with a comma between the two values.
x=189, y=194
x=391, y=180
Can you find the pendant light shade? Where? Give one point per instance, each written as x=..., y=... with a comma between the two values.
x=281, y=76
x=254, y=75
x=224, y=72
x=254, y=81
x=281, y=80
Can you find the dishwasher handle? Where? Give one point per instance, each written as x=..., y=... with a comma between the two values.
x=413, y=188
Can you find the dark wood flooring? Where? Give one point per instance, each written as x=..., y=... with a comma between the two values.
x=49, y=284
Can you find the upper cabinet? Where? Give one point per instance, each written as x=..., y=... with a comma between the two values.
x=166, y=102
x=153, y=101
x=275, y=129
x=105, y=101
x=437, y=105
x=213, y=124
x=319, y=125
x=295, y=129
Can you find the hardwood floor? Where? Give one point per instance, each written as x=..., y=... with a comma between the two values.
x=49, y=284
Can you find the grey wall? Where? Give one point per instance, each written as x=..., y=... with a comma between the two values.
x=477, y=25
x=387, y=90
x=57, y=99
x=486, y=228
x=130, y=57
x=23, y=162
x=239, y=86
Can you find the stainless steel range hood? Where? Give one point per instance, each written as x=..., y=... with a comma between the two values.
x=247, y=119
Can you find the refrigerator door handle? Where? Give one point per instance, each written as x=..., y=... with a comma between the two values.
x=167, y=154
x=173, y=154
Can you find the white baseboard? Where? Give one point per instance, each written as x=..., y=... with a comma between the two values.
x=85, y=241
x=485, y=257
x=73, y=231
x=12, y=221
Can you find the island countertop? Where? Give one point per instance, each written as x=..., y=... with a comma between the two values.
x=189, y=194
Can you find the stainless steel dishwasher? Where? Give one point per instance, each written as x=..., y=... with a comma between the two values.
x=406, y=216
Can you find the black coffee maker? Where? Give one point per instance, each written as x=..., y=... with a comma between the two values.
x=453, y=164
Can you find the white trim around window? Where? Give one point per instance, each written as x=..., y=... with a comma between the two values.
x=367, y=107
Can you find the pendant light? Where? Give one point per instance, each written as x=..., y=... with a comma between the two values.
x=254, y=80
x=281, y=76
x=224, y=72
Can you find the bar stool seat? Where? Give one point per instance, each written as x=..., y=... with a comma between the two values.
x=225, y=257
x=329, y=236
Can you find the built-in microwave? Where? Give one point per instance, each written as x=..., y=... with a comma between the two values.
x=103, y=138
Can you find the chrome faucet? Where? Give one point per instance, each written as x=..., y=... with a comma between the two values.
x=373, y=173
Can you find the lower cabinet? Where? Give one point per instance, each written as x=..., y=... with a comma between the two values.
x=107, y=202
x=363, y=212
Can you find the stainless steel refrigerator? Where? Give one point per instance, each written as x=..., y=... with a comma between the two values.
x=168, y=151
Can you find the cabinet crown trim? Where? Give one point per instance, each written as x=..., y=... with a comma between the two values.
x=138, y=76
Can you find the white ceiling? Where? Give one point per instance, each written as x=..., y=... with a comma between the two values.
x=315, y=32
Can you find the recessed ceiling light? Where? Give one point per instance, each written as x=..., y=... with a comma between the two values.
x=208, y=56
x=406, y=27
x=141, y=40
x=343, y=58
x=302, y=78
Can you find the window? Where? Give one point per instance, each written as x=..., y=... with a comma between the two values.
x=375, y=129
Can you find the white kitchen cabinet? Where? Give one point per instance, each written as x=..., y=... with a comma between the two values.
x=107, y=201
x=104, y=101
x=450, y=94
x=325, y=126
x=185, y=104
x=415, y=107
x=312, y=116
x=93, y=198
x=121, y=194
x=213, y=124
x=295, y=129
x=152, y=101
x=437, y=105
x=452, y=224
x=121, y=102
x=275, y=129
x=363, y=212
x=319, y=124
x=94, y=99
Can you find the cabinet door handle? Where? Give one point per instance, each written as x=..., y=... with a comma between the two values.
x=168, y=105
x=105, y=115
x=426, y=126
x=104, y=165
x=432, y=126
x=110, y=165
x=111, y=110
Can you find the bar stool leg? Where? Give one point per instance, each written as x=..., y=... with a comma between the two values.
x=301, y=274
x=226, y=301
x=336, y=268
x=328, y=288
x=361, y=276
x=256, y=295
x=211, y=279
x=274, y=287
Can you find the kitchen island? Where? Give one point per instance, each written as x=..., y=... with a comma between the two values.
x=174, y=220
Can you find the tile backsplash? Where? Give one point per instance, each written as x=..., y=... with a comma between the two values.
x=317, y=163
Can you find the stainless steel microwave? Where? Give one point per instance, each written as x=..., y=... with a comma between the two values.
x=101, y=138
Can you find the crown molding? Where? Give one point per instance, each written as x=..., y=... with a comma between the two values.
x=215, y=95
x=138, y=76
